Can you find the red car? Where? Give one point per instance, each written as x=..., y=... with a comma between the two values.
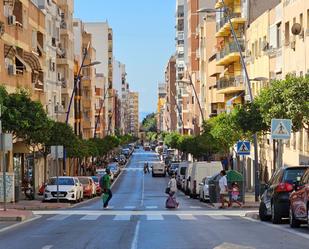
x=96, y=182
x=299, y=202
x=87, y=183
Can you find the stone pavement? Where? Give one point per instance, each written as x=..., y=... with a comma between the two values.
x=15, y=215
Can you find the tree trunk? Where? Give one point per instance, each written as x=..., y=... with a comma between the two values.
x=45, y=167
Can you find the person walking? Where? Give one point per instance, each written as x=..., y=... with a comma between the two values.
x=146, y=168
x=171, y=202
x=105, y=184
x=223, y=188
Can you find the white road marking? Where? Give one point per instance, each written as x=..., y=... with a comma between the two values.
x=195, y=207
x=151, y=207
x=122, y=217
x=59, y=217
x=20, y=223
x=186, y=217
x=90, y=217
x=47, y=247
x=155, y=217
x=129, y=207
x=219, y=217
x=135, y=238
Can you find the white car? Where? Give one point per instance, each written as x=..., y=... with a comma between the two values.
x=70, y=189
x=204, y=189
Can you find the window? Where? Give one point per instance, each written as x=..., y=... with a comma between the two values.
x=279, y=35
x=301, y=20
x=287, y=33
x=308, y=19
x=34, y=40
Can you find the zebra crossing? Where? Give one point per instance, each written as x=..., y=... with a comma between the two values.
x=91, y=215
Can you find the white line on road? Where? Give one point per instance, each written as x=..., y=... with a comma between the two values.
x=135, y=238
x=59, y=217
x=129, y=207
x=122, y=217
x=186, y=217
x=151, y=207
x=220, y=217
x=195, y=207
x=155, y=217
x=90, y=217
x=47, y=247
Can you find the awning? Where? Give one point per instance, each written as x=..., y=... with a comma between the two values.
x=33, y=61
x=9, y=51
x=27, y=67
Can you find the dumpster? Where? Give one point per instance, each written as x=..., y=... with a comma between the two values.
x=214, y=191
x=234, y=176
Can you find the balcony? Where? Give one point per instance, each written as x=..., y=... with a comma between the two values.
x=230, y=54
x=86, y=103
x=230, y=85
x=224, y=27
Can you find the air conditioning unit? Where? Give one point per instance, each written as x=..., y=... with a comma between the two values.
x=12, y=70
x=11, y=20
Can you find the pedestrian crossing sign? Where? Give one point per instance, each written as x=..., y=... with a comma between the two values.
x=281, y=128
x=243, y=148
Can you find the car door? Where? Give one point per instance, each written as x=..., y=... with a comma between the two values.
x=300, y=197
x=268, y=194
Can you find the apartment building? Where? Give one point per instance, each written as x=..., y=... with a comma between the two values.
x=65, y=58
x=170, y=109
x=161, y=121
x=133, y=113
x=102, y=36
x=52, y=80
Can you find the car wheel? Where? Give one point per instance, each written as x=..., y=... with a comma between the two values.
x=293, y=222
x=275, y=214
x=263, y=212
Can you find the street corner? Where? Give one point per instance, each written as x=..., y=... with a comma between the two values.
x=15, y=215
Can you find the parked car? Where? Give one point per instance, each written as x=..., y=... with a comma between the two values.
x=158, y=169
x=70, y=189
x=122, y=159
x=97, y=185
x=199, y=171
x=204, y=187
x=275, y=203
x=299, y=202
x=88, y=186
x=187, y=181
x=181, y=172
x=173, y=168
x=114, y=168
x=126, y=152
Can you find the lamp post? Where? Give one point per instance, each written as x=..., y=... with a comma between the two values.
x=225, y=10
x=189, y=82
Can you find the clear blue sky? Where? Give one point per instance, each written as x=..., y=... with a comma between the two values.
x=143, y=39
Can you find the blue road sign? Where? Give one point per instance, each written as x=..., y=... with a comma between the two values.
x=243, y=148
x=281, y=128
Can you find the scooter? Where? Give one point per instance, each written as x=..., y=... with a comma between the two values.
x=29, y=192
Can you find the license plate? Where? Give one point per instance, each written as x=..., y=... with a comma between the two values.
x=60, y=195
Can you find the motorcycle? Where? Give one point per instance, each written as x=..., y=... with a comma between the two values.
x=28, y=191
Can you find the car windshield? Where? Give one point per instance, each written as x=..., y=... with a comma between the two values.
x=183, y=170
x=95, y=178
x=61, y=181
x=83, y=180
x=290, y=175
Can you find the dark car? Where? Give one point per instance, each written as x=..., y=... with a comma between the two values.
x=275, y=203
x=173, y=168
x=299, y=202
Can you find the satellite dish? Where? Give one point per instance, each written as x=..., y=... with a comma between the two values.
x=296, y=29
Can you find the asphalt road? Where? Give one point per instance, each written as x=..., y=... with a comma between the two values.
x=138, y=220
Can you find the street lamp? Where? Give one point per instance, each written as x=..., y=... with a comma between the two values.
x=189, y=82
x=225, y=10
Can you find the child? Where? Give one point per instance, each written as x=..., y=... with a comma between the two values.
x=235, y=194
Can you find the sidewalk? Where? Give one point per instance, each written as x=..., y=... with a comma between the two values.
x=250, y=202
x=15, y=215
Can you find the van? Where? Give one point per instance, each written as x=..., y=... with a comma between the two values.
x=187, y=181
x=181, y=172
x=199, y=171
x=158, y=169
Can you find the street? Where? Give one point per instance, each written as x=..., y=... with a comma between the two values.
x=137, y=219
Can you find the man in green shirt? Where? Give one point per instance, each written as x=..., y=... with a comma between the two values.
x=105, y=184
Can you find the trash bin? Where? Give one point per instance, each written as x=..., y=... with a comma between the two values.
x=234, y=176
x=214, y=190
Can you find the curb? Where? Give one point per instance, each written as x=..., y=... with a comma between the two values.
x=15, y=218
x=253, y=215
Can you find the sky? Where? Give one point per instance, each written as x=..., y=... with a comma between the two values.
x=144, y=40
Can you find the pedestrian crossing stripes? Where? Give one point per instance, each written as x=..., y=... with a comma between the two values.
x=84, y=215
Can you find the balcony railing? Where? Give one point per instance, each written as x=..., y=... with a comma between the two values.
x=231, y=48
x=224, y=83
x=225, y=20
